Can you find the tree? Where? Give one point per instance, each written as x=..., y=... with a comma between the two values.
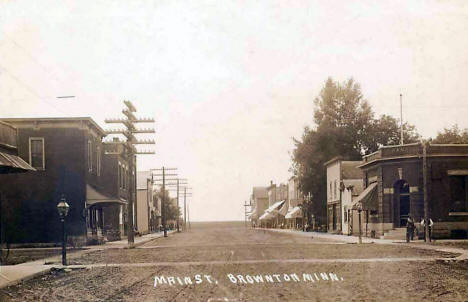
x=452, y=136
x=344, y=126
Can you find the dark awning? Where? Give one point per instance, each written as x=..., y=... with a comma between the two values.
x=95, y=198
x=367, y=200
x=13, y=164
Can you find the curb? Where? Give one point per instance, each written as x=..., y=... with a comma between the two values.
x=47, y=268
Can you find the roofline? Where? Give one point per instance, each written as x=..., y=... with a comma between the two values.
x=405, y=157
x=334, y=159
x=55, y=119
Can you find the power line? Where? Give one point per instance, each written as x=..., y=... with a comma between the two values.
x=30, y=89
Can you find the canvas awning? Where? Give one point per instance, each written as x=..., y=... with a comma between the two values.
x=275, y=206
x=284, y=209
x=253, y=214
x=13, y=164
x=367, y=200
x=295, y=212
x=267, y=215
x=95, y=198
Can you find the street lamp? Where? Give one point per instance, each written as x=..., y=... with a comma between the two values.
x=63, y=208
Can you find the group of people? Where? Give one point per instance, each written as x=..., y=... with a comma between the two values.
x=410, y=227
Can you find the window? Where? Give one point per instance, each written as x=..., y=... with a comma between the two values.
x=90, y=156
x=331, y=191
x=120, y=175
x=36, y=153
x=334, y=191
x=98, y=161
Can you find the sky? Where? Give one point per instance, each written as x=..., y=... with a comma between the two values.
x=230, y=82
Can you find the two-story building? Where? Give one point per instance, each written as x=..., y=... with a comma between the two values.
x=10, y=163
x=294, y=215
x=259, y=203
x=339, y=174
x=69, y=157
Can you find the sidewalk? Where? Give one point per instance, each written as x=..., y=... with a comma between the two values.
x=354, y=239
x=13, y=274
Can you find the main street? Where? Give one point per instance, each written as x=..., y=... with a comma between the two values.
x=228, y=262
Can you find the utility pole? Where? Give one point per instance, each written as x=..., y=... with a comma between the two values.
x=401, y=119
x=245, y=213
x=163, y=199
x=129, y=133
x=185, y=208
x=178, y=188
x=426, y=205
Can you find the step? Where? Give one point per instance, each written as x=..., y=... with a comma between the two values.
x=397, y=233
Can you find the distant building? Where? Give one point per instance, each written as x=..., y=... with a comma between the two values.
x=351, y=189
x=277, y=206
x=69, y=157
x=294, y=216
x=339, y=172
x=148, y=208
x=259, y=203
x=394, y=188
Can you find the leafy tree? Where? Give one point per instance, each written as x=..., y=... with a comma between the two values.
x=344, y=126
x=452, y=136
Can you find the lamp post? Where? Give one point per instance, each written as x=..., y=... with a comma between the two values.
x=63, y=208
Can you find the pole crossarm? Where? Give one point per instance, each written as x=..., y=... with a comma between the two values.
x=129, y=123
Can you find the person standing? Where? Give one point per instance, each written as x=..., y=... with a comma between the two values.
x=431, y=223
x=409, y=228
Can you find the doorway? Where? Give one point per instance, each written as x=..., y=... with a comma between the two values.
x=401, y=203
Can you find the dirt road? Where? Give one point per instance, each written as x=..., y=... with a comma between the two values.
x=227, y=262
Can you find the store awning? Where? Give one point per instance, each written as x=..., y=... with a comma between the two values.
x=275, y=206
x=267, y=216
x=13, y=164
x=284, y=209
x=367, y=200
x=295, y=212
x=95, y=198
x=253, y=215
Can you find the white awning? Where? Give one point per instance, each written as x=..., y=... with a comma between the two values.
x=93, y=197
x=267, y=215
x=367, y=199
x=284, y=209
x=295, y=212
x=275, y=206
x=253, y=214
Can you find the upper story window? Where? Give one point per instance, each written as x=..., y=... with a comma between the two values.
x=98, y=161
x=90, y=156
x=120, y=175
x=36, y=153
x=334, y=190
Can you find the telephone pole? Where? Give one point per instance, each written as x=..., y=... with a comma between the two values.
x=245, y=212
x=178, y=187
x=426, y=205
x=163, y=199
x=129, y=132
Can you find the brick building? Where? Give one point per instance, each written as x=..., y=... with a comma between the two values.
x=71, y=161
x=393, y=177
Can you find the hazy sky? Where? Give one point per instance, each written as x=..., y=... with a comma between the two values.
x=230, y=82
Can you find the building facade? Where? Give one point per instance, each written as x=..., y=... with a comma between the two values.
x=394, y=179
x=294, y=216
x=68, y=155
x=338, y=171
x=259, y=203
